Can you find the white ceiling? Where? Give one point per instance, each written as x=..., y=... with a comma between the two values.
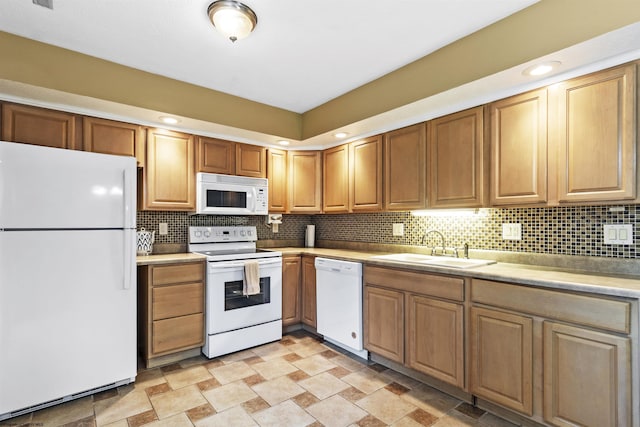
x=302, y=53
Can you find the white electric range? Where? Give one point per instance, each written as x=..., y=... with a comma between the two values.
x=235, y=321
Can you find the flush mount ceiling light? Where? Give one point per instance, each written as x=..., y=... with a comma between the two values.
x=233, y=19
x=340, y=135
x=541, y=69
x=169, y=120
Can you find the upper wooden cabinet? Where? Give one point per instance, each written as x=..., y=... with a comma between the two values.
x=352, y=178
x=594, y=127
x=39, y=126
x=231, y=158
x=365, y=174
x=251, y=160
x=110, y=137
x=405, y=169
x=216, y=155
x=457, y=160
x=277, y=176
x=519, y=149
x=169, y=176
x=335, y=179
x=305, y=181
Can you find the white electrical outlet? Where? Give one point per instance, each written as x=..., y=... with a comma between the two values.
x=398, y=229
x=163, y=228
x=512, y=231
x=618, y=234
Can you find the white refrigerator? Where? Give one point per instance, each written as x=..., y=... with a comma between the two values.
x=67, y=275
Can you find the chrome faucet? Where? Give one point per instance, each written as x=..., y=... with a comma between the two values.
x=433, y=250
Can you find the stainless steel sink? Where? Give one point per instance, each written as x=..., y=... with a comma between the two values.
x=440, y=261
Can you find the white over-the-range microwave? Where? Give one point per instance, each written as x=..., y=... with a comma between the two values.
x=231, y=195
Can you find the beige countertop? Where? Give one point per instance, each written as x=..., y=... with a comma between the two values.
x=168, y=258
x=547, y=277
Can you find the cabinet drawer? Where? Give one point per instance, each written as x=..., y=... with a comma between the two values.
x=178, y=333
x=177, y=273
x=601, y=313
x=420, y=283
x=177, y=300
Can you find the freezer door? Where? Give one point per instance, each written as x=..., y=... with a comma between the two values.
x=42, y=187
x=67, y=314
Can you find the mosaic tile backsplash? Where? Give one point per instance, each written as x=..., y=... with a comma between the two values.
x=575, y=230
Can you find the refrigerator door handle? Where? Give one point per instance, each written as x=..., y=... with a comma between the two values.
x=129, y=197
x=129, y=244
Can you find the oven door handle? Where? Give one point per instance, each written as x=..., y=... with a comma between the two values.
x=221, y=265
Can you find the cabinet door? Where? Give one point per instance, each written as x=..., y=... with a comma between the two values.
x=384, y=322
x=365, y=169
x=169, y=177
x=177, y=333
x=309, y=290
x=291, y=301
x=502, y=358
x=405, y=168
x=457, y=160
x=336, y=179
x=38, y=126
x=305, y=181
x=435, y=343
x=277, y=176
x=519, y=149
x=216, y=156
x=596, y=136
x=251, y=160
x=587, y=377
x=109, y=137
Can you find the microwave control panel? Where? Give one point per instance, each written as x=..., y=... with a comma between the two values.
x=261, y=200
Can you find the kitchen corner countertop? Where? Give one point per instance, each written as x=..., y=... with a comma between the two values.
x=547, y=277
x=168, y=258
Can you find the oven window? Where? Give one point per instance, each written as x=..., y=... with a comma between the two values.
x=226, y=199
x=233, y=298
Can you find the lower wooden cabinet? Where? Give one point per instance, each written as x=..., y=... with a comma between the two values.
x=502, y=358
x=298, y=290
x=416, y=319
x=384, y=322
x=308, y=284
x=435, y=338
x=291, y=300
x=587, y=378
x=170, y=308
x=559, y=358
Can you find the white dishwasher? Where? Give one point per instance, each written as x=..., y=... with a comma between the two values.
x=339, y=304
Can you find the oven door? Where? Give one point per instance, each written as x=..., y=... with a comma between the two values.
x=228, y=309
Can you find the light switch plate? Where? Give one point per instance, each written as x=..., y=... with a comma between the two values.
x=618, y=234
x=512, y=231
x=398, y=229
x=163, y=228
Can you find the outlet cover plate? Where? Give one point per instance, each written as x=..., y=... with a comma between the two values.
x=512, y=231
x=398, y=229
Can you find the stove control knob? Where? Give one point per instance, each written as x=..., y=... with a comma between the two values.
x=242, y=233
x=207, y=233
x=198, y=233
x=249, y=233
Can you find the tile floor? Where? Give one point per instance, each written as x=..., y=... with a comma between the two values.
x=298, y=381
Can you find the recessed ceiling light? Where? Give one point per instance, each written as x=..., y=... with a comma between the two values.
x=340, y=135
x=169, y=120
x=541, y=69
x=283, y=142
